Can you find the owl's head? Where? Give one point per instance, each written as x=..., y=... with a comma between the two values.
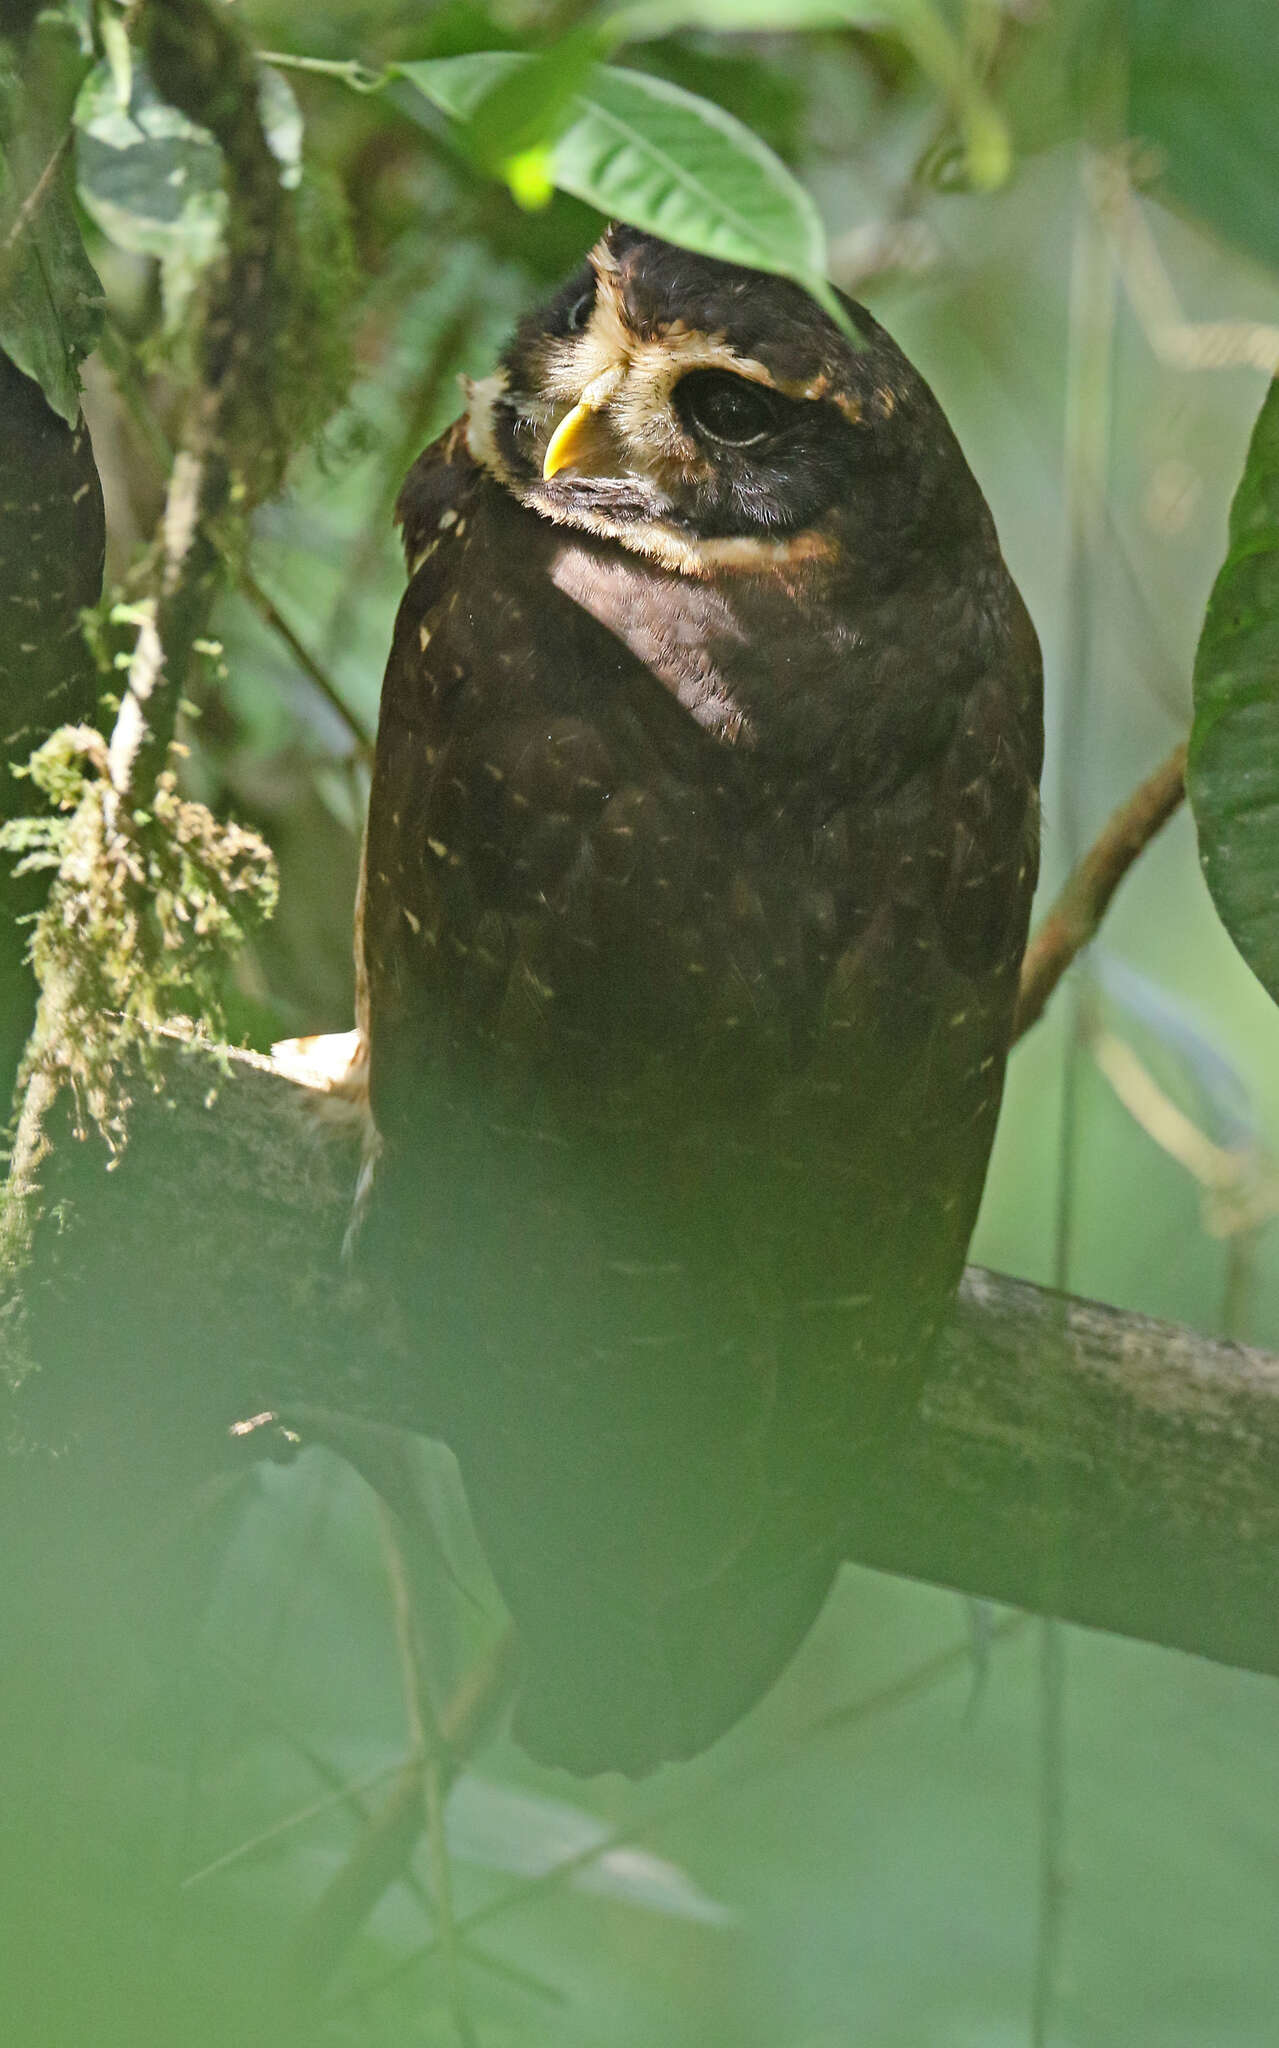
x=708, y=415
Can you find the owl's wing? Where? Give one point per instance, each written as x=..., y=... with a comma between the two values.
x=984, y=870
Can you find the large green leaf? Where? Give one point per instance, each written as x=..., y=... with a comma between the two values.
x=1203, y=85
x=50, y=298
x=528, y=104
x=647, y=152
x=1233, y=775
x=942, y=54
x=152, y=179
x=149, y=177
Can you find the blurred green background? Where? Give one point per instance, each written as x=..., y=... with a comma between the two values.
x=935, y=1830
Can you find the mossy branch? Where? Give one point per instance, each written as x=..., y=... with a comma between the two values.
x=1066, y=1457
x=149, y=891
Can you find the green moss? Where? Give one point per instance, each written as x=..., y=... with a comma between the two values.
x=143, y=910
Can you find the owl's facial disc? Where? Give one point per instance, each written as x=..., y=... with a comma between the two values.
x=695, y=412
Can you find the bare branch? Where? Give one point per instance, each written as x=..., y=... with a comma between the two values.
x=1085, y=898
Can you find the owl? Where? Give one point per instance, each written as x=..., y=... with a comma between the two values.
x=700, y=850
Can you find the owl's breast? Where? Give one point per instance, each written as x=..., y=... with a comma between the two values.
x=612, y=850
x=685, y=632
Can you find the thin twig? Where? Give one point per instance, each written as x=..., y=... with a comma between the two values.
x=434, y=1768
x=1090, y=351
x=269, y=611
x=461, y=1726
x=837, y=1720
x=1052, y=1794
x=481, y=1696
x=120, y=359
x=1186, y=344
x=382, y=1854
x=346, y=1794
x=446, y=1920
x=36, y=196
x=386, y=1846
x=1085, y=897
x=378, y=1860
x=1239, y=1184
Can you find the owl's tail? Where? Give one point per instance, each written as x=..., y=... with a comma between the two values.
x=608, y=1690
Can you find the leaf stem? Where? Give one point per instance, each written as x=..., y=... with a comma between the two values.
x=347, y=70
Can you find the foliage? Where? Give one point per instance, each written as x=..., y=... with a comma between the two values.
x=647, y=152
x=1201, y=91
x=1234, y=762
x=851, y=1864
x=150, y=178
x=50, y=298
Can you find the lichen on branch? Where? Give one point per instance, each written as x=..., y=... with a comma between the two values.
x=144, y=907
x=149, y=891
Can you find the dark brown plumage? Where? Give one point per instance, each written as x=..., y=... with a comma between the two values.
x=700, y=854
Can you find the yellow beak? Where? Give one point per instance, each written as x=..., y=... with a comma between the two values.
x=567, y=446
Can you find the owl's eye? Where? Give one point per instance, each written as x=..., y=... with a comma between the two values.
x=728, y=409
x=580, y=311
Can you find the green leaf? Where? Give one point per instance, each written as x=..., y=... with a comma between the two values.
x=50, y=297
x=921, y=25
x=150, y=178
x=1204, y=88
x=647, y=152
x=528, y=1835
x=1233, y=772
x=529, y=104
